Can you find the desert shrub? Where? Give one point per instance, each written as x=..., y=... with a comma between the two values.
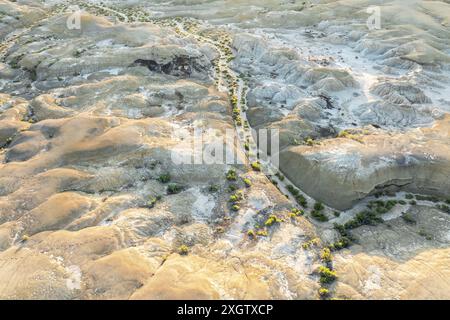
x=220, y=229
x=164, y=178
x=183, y=249
x=174, y=188
x=280, y=176
x=256, y=166
x=342, y=243
x=251, y=233
x=343, y=134
x=235, y=207
x=152, y=202
x=231, y=175
x=271, y=220
x=326, y=275
x=325, y=255
x=343, y=232
x=313, y=242
x=318, y=206
x=380, y=206
x=213, y=188
x=262, y=233
x=324, y=292
x=301, y=200
x=297, y=212
x=234, y=198
x=319, y=216
x=292, y=190
x=309, y=142
x=427, y=198
x=363, y=218
x=247, y=182
x=425, y=234
x=390, y=204
x=443, y=208
x=408, y=218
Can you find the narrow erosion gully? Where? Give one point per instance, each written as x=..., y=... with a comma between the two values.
x=227, y=80
x=237, y=88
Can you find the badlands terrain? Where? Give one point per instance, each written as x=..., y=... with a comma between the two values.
x=99, y=99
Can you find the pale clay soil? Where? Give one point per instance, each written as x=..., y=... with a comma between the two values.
x=90, y=119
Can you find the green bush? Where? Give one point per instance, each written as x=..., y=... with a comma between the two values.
x=363, y=218
x=337, y=214
x=213, y=188
x=271, y=220
x=380, y=206
x=318, y=206
x=280, y=176
x=342, y=243
x=183, y=250
x=427, y=198
x=324, y=292
x=256, y=166
x=390, y=204
x=409, y=196
x=319, y=216
x=313, y=242
x=152, y=202
x=174, y=188
x=326, y=275
x=235, y=207
x=309, y=142
x=292, y=190
x=234, y=198
x=301, y=200
x=425, y=234
x=262, y=233
x=443, y=208
x=164, y=178
x=297, y=212
x=231, y=175
x=325, y=255
x=408, y=218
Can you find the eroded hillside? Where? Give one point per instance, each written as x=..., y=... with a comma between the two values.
x=93, y=205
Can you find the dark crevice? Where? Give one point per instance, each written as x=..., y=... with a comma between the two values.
x=180, y=66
